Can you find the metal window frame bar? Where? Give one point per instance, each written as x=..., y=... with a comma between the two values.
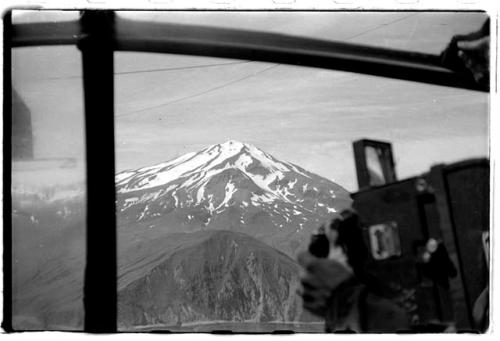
x=129, y=35
x=138, y=36
x=100, y=280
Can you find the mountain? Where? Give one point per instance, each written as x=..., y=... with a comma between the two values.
x=203, y=277
x=207, y=237
x=232, y=186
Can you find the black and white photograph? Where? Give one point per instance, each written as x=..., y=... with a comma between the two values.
x=246, y=171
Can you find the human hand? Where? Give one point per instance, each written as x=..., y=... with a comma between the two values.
x=470, y=53
x=475, y=55
x=320, y=278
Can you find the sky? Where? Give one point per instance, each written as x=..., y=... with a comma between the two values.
x=307, y=116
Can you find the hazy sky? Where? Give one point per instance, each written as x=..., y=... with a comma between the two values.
x=303, y=115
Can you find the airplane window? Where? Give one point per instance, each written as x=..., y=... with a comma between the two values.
x=224, y=167
x=48, y=189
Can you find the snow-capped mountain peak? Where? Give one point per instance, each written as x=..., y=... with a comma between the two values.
x=209, y=161
x=232, y=185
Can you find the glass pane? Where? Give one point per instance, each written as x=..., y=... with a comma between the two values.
x=226, y=168
x=48, y=188
x=374, y=166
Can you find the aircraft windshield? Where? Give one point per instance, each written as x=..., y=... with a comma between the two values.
x=207, y=144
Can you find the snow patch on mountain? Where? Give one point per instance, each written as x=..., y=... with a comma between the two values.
x=230, y=189
x=206, y=163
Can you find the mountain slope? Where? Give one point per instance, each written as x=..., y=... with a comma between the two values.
x=208, y=276
x=48, y=255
